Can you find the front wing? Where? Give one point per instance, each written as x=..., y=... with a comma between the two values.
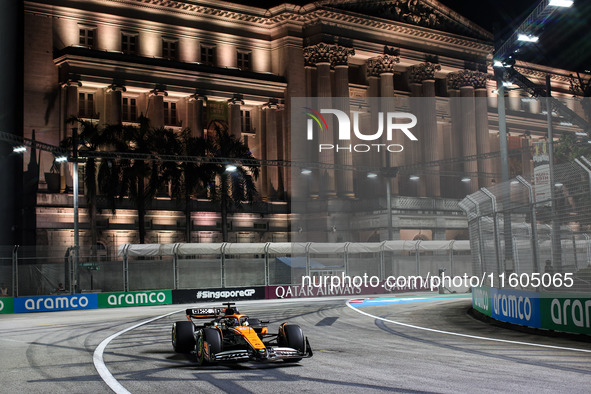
x=271, y=353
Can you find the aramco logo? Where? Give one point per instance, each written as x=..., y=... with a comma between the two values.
x=393, y=121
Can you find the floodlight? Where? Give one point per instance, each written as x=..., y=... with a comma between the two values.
x=561, y=3
x=527, y=38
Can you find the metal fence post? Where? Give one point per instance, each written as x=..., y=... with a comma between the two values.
x=267, y=268
x=534, y=226
x=15, y=271
x=588, y=248
x=223, y=264
x=382, y=262
x=125, y=268
x=418, y=258
x=175, y=265
x=493, y=200
x=346, y=258
x=480, y=237
x=125, y=272
x=307, y=250
x=451, y=257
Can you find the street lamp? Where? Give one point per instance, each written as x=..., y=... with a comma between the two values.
x=61, y=159
x=74, y=282
x=388, y=173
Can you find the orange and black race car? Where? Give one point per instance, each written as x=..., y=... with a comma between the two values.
x=232, y=337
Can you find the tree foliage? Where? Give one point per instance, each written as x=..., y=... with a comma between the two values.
x=141, y=180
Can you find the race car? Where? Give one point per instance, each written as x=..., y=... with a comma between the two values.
x=232, y=337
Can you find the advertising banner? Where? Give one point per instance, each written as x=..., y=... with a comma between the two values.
x=134, y=298
x=327, y=289
x=6, y=305
x=516, y=306
x=52, y=303
x=567, y=313
x=219, y=294
x=481, y=300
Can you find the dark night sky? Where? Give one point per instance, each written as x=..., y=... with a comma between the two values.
x=565, y=40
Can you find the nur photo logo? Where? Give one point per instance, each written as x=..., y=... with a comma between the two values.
x=390, y=122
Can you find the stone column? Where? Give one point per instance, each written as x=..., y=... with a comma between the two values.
x=311, y=183
x=156, y=107
x=474, y=130
x=321, y=55
x=273, y=148
x=468, y=129
x=430, y=144
x=383, y=66
x=413, y=153
x=452, y=185
x=340, y=59
x=370, y=188
x=195, y=114
x=71, y=88
x=482, y=130
x=235, y=121
x=115, y=91
x=70, y=110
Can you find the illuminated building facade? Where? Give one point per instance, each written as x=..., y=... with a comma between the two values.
x=187, y=63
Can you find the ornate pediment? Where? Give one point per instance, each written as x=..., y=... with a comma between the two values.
x=426, y=13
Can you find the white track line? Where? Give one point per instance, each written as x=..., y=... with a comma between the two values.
x=99, y=363
x=466, y=335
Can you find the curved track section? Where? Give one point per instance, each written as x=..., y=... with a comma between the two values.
x=53, y=352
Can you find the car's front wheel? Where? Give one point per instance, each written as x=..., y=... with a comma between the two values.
x=292, y=336
x=183, y=340
x=209, y=343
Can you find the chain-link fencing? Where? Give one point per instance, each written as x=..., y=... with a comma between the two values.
x=31, y=271
x=524, y=226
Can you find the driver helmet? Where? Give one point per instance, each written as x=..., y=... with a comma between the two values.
x=232, y=322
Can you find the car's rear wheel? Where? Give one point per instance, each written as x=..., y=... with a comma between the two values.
x=183, y=340
x=293, y=337
x=212, y=337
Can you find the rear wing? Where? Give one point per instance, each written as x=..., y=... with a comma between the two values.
x=203, y=313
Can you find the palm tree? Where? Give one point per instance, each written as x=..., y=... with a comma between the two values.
x=195, y=177
x=90, y=138
x=132, y=173
x=237, y=185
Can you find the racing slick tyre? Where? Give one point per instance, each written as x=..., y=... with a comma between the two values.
x=183, y=340
x=212, y=337
x=293, y=337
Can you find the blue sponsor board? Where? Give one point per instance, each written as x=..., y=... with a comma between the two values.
x=515, y=306
x=55, y=303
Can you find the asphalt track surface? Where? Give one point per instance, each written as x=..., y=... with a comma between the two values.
x=353, y=352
